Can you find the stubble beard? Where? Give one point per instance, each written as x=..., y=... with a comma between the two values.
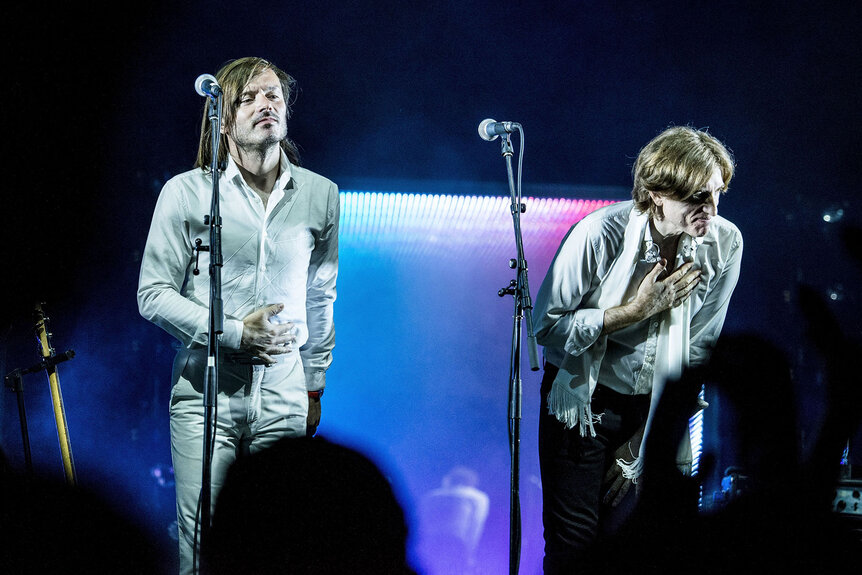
x=248, y=145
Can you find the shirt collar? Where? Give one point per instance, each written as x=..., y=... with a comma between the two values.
x=286, y=173
x=689, y=246
x=650, y=252
x=281, y=183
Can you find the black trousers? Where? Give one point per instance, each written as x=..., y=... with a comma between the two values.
x=573, y=469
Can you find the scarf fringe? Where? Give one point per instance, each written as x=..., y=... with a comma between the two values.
x=631, y=470
x=570, y=412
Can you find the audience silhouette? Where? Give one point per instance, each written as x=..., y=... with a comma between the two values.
x=47, y=526
x=306, y=506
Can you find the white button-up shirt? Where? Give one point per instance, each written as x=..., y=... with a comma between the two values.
x=570, y=317
x=286, y=252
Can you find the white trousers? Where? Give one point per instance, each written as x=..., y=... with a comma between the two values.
x=256, y=406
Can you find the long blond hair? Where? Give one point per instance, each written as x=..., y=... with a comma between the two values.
x=232, y=78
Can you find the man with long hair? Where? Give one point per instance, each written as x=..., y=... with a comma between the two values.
x=637, y=291
x=279, y=235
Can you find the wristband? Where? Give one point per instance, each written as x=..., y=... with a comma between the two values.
x=316, y=394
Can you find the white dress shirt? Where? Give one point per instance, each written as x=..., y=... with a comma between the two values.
x=286, y=252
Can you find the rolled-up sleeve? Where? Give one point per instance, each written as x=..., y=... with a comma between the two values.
x=565, y=321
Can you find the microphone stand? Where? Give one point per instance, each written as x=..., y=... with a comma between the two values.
x=520, y=289
x=216, y=318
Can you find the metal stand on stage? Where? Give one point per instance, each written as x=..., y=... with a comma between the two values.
x=207, y=86
x=520, y=289
x=15, y=381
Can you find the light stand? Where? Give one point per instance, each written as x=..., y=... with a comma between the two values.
x=520, y=289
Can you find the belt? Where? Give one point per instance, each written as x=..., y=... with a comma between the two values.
x=234, y=357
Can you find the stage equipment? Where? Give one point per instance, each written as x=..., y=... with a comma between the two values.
x=519, y=288
x=15, y=381
x=734, y=485
x=489, y=129
x=206, y=85
x=848, y=498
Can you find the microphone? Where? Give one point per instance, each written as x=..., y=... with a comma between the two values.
x=489, y=129
x=207, y=85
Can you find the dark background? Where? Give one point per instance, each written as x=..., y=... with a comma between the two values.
x=102, y=111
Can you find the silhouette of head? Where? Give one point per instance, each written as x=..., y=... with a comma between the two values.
x=306, y=505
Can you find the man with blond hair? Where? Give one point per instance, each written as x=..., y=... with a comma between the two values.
x=279, y=234
x=637, y=291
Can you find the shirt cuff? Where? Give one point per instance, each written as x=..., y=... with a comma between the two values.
x=315, y=380
x=587, y=328
x=231, y=337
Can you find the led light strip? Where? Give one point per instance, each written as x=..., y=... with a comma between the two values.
x=409, y=221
